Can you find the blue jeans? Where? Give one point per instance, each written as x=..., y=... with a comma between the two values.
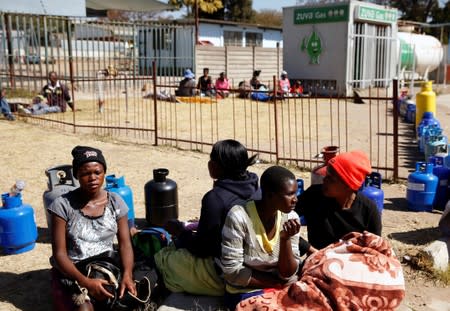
x=6, y=110
x=42, y=108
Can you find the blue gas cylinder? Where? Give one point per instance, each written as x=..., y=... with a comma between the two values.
x=422, y=185
x=435, y=145
x=117, y=185
x=410, y=113
x=18, y=230
x=428, y=132
x=443, y=174
x=300, y=190
x=372, y=190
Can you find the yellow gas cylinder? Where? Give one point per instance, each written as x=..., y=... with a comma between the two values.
x=425, y=101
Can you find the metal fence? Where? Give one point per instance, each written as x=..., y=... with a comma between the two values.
x=139, y=105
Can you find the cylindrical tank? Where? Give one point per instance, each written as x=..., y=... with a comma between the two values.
x=425, y=101
x=427, y=120
x=420, y=53
x=443, y=174
x=410, y=113
x=60, y=181
x=372, y=190
x=422, y=185
x=18, y=230
x=319, y=172
x=161, y=198
x=117, y=185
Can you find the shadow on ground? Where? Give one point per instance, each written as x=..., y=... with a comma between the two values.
x=29, y=291
x=417, y=237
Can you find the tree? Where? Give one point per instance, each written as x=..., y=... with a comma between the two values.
x=269, y=18
x=233, y=10
x=415, y=10
x=208, y=6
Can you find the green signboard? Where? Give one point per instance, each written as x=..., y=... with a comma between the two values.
x=331, y=14
x=376, y=15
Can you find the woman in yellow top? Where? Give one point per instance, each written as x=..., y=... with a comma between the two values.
x=260, y=240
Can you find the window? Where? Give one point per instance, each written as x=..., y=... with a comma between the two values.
x=253, y=39
x=232, y=38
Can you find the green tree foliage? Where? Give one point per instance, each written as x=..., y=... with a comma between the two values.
x=415, y=10
x=233, y=10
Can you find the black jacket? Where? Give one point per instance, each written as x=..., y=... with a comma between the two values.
x=216, y=203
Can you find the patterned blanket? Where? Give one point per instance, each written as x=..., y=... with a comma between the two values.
x=360, y=272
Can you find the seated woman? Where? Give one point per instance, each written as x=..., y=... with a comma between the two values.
x=222, y=86
x=260, y=239
x=335, y=208
x=84, y=224
x=189, y=265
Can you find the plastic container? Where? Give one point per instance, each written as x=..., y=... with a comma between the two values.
x=60, y=181
x=372, y=190
x=117, y=185
x=443, y=174
x=425, y=101
x=422, y=185
x=161, y=198
x=18, y=230
x=318, y=173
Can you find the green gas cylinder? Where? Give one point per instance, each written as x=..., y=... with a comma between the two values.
x=425, y=101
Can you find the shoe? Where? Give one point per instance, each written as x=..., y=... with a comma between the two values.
x=22, y=110
x=10, y=117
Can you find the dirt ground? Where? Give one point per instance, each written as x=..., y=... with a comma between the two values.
x=28, y=150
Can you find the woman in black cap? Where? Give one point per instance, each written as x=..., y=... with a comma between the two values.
x=85, y=222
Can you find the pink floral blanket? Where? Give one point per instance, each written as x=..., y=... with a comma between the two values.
x=360, y=272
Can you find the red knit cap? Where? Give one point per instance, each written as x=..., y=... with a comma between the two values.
x=352, y=167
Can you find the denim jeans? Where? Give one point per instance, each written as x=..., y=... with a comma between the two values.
x=42, y=108
x=6, y=110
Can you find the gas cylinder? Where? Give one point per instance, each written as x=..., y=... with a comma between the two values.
x=427, y=120
x=161, y=198
x=436, y=144
x=425, y=101
x=372, y=190
x=443, y=174
x=60, y=181
x=319, y=172
x=18, y=230
x=411, y=112
x=117, y=185
x=422, y=185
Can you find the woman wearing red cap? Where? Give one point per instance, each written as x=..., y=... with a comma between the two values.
x=335, y=208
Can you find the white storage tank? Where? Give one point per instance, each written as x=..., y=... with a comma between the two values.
x=420, y=53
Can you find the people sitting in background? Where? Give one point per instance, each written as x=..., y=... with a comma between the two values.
x=244, y=89
x=5, y=109
x=336, y=207
x=296, y=89
x=39, y=106
x=254, y=81
x=187, y=86
x=222, y=86
x=189, y=265
x=260, y=239
x=284, y=85
x=57, y=93
x=204, y=84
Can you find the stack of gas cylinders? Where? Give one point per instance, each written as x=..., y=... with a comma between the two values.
x=428, y=184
